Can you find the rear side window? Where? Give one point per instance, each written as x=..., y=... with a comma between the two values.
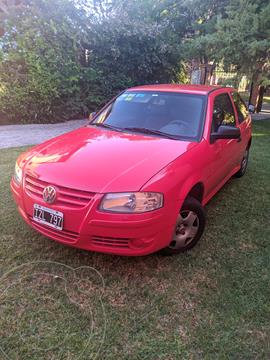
x=241, y=108
x=223, y=113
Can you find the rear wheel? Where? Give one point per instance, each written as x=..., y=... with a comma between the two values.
x=189, y=227
x=244, y=164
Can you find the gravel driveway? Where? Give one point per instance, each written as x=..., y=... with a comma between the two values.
x=20, y=135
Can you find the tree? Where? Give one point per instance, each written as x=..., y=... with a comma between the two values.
x=63, y=58
x=245, y=40
x=132, y=43
x=238, y=35
x=40, y=71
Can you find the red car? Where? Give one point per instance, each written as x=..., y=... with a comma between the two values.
x=136, y=178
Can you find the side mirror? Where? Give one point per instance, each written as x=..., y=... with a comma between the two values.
x=225, y=132
x=92, y=115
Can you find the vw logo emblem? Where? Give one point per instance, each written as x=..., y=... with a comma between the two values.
x=49, y=194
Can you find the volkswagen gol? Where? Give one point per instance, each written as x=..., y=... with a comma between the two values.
x=136, y=179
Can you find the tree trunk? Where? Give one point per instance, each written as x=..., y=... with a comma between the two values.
x=255, y=91
x=260, y=99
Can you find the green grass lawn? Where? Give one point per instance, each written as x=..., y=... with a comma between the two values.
x=210, y=303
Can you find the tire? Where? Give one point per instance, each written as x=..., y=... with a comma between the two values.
x=244, y=164
x=189, y=227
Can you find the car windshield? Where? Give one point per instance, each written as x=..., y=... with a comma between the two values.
x=167, y=114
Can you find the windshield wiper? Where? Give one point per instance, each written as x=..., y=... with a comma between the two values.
x=106, y=126
x=137, y=129
x=152, y=132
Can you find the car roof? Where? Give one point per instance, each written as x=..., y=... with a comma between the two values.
x=192, y=89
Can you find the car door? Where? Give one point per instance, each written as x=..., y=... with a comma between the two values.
x=225, y=152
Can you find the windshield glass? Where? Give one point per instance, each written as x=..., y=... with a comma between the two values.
x=177, y=115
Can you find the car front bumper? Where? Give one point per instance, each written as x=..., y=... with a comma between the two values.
x=90, y=229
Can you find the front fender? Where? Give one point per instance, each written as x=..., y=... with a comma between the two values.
x=175, y=181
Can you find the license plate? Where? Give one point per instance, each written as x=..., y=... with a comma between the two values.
x=49, y=217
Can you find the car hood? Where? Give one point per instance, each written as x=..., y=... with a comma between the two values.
x=100, y=160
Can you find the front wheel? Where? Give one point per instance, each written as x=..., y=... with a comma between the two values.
x=189, y=227
x=244, y=164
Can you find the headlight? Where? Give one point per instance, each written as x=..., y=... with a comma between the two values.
x=17, y=174
x=135, y=202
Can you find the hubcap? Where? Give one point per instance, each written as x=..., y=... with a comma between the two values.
x=187, y=226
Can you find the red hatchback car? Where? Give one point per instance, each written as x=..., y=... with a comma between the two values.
x=136, y=178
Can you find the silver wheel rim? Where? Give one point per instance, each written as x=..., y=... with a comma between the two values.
x=187, y=227
x=244, y=161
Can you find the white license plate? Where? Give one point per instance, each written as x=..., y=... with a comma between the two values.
x=49, y=217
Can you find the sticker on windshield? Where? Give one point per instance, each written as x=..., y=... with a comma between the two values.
x=129, y=97
x=122, y=97
x=135, y=97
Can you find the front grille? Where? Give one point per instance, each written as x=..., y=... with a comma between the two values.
x=62, y=235
x=65, y=197
x=122, y=243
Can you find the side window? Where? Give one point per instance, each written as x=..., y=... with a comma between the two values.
x=223, y=113
x=241, y=108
